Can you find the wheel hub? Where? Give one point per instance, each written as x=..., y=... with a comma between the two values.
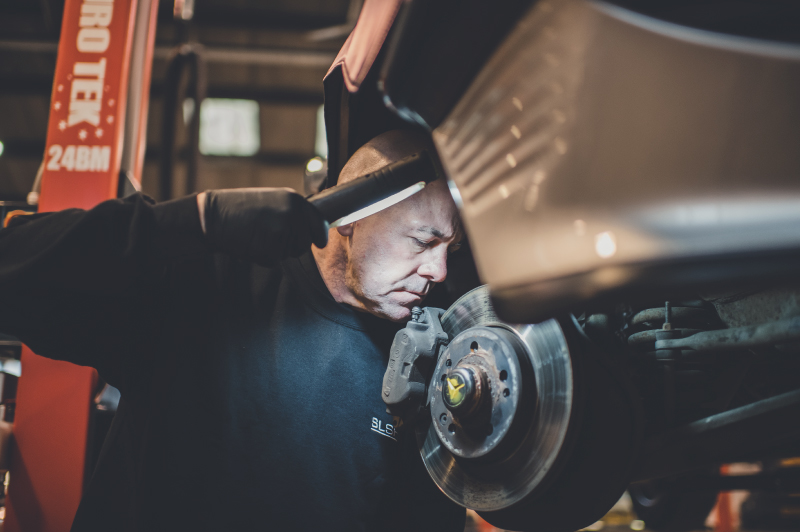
x=477, y=386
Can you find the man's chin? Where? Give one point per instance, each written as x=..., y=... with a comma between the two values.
x=396, y=306
x=393, y=312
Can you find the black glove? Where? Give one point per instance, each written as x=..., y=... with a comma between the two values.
x=262, y=225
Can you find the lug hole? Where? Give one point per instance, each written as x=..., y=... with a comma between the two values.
x=448, y=362
x=443, y=418
x=506, y=392
x=473, y=346
x=452, y=428
x=503, y=375
x=443, y=377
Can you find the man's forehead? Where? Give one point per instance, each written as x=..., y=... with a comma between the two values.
x=433, y=212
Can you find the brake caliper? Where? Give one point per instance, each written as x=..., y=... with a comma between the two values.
x=415, y=350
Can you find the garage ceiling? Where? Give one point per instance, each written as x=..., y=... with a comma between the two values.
x=275, y=52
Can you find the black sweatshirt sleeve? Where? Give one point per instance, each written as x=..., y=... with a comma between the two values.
x=88, y=286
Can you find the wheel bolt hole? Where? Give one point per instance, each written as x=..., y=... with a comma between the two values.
x=443, y=418
x=448, y=362
x=443, y=377
x=506, y=392
x=503, y=375
x=473, y=346
x=452, y=428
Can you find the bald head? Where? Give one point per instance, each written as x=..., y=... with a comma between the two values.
x=386, y=263
x=384, y=149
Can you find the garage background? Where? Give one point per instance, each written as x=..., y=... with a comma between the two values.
x=273, y=53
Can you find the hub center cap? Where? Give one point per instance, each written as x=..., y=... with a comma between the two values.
x=459, y=388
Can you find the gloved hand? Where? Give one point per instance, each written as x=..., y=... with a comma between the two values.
x=262, y=225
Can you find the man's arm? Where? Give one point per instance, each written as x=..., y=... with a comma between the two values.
x=261, y=225
x=87, y=285
x=84, y=286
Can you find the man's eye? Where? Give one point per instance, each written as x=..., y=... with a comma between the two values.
x=420, y=243
x=455, y=247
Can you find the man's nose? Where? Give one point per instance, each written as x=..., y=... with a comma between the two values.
x=435, y=266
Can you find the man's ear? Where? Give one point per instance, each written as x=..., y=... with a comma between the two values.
x=345, y=230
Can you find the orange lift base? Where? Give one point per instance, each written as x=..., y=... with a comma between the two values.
x=50, y=434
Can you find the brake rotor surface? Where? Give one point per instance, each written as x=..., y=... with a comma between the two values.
x=486, y=483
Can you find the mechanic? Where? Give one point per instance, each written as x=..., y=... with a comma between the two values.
x=250, y=368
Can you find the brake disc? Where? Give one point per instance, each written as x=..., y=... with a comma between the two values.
x=519, y=381
x=530, y=425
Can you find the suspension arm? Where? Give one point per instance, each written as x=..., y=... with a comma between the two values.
x=738, y=338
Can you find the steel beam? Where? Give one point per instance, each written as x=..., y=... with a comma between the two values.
x=228, y=55
x=43, y=86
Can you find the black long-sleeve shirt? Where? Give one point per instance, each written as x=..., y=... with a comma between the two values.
x=250, y=398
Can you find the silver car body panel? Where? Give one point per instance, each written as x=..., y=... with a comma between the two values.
x=596, y=139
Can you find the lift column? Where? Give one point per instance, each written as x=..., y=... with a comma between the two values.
x=94, y=152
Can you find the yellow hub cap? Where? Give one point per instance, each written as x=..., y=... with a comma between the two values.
x=455, y=390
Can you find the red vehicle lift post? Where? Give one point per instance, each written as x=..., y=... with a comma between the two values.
x=94, y=152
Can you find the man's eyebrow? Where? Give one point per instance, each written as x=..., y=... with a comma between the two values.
x=433, y=231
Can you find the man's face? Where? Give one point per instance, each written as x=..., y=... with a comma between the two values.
x=396, y=255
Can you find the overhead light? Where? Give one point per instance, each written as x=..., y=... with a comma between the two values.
x=314, y=165
x=2, y=147
x=605, y=244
